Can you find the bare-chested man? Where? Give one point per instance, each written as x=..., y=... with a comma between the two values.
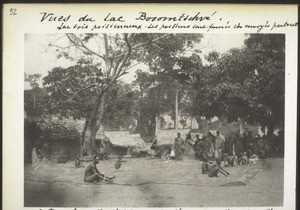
x=92, y=174
x=212, y=168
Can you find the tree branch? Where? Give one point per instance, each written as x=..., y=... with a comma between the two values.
x=107, y=63
x=76, y=93
x=129, y=50
x=80, y=44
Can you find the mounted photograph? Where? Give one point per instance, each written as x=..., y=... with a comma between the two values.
x=154, y=119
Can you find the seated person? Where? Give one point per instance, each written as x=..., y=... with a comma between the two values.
x=78, y=162
x=154, y=151
x=212, y=168
x=92, y=174
x=101, y=151
x=221, y=170
x=253, y=159
x=172, y=155
x=229, y=160
x=243, y=159
x=154, y=145
x=135, y=153
x=119, y=162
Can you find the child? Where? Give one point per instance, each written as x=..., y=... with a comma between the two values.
x=243, y=159
x=253, y=160
x=118, y=162
x=229, y=160
x=172, y=155
x=78, y=162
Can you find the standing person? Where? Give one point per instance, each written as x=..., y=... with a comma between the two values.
x=188, y=136
x=178, y=146
x=199, y=148
x=271, y=144
x=219, y=145
x=92, y=174
x=209, y=140
x=197, y=139
x=36, y=156
x=229, y=145
x=244, y=142
x=188, y=142
x=101, y=150
x=180, y=140
x=177, y=149
x=261, y=146
x=249, y=143
x=255, y=144
x=280, y=143
x=238, y=146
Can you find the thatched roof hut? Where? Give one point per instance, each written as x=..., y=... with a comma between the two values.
x=120, y=142
x=124, y=139
x=61, y=140
x=57, y=130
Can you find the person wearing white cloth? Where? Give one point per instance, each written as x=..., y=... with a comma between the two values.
x=219, y=145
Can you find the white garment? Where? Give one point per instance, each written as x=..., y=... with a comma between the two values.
x=172, y=153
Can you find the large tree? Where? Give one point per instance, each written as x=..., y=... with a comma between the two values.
x=243, y=84
x=35, y=97
x=121, y=110
x=268, y=53
x=111, y=56
x=159, y=87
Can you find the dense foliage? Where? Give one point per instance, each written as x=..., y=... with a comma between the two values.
x=242, y=84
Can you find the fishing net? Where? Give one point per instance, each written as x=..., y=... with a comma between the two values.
x=142, y=171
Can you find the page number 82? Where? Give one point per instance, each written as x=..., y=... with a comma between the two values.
x=12, y=11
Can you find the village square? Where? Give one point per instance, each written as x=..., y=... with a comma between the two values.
x=154, y=120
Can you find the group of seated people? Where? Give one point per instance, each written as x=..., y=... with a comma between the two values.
x=261, y=146
x=236, y=151
x=212, y=166
x=232, y=151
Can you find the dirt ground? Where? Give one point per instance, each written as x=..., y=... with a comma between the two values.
x=156, y=183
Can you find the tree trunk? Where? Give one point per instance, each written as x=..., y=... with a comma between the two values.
x=220, y=124
x=270, y=128
x=242, y=125
x=199, y=122
x=34, y=100
x=157, y=123
x=176, y=111
x=146, y=124
x=93, y=126
x=86, y=122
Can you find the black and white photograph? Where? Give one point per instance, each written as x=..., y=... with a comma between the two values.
x=137, y=108
x=154, y=120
